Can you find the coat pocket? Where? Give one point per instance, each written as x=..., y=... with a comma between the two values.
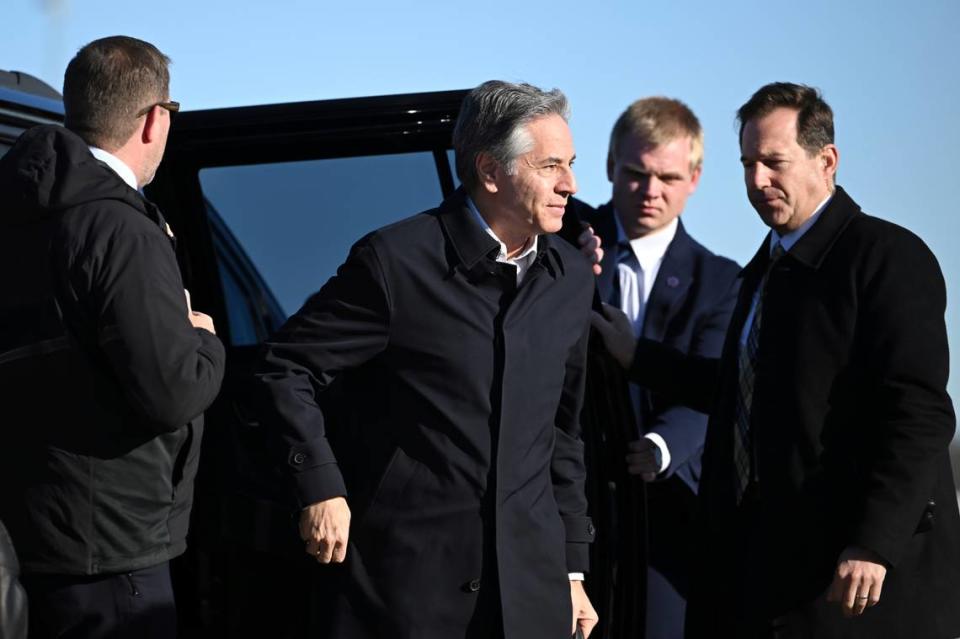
x=396, y=477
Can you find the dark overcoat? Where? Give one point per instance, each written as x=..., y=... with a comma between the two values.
x=466, y=479
x=851, y=424
x=689, y=309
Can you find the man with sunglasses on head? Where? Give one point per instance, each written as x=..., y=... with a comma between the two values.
x=105, y=370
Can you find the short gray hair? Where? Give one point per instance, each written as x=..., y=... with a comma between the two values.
x=493, y=120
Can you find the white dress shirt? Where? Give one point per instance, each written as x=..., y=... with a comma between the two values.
x=119, y=166
x=636, y=281
x=523, y=261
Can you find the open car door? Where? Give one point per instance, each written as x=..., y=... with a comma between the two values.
x=265, y=202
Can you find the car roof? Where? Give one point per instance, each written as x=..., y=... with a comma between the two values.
x=27, y=100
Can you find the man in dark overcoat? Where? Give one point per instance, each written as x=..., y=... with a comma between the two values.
x=674, y=290
x=827, y=498
x=456, y=507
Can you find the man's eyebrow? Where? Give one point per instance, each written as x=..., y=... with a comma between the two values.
x=555, y=160
x=635, y=168
x=768, y=155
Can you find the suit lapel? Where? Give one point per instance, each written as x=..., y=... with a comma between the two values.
x=605, y=226
x=670, y=288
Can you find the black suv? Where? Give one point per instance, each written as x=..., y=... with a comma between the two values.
x=24, y=102
x=265, y=202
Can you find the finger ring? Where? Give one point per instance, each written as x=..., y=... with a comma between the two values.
x=863, y=596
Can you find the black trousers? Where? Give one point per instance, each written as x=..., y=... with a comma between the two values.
x=136, y=604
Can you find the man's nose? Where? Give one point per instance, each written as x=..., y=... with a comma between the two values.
x=756, y=177
x=568, y=182
x=650, y=186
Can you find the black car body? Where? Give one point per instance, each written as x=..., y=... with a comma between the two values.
x=25, y=101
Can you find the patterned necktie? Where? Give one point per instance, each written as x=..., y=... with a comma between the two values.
x=747, y=365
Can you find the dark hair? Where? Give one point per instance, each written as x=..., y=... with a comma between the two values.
x=814, y=116
x=493, y=120
x=107, y=83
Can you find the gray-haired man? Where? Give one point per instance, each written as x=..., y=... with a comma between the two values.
x=466, y=478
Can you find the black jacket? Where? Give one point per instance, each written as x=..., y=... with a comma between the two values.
x=472, y=455
x=103, y=379
x=851, y=423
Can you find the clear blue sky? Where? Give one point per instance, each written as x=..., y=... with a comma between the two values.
x=889, y=69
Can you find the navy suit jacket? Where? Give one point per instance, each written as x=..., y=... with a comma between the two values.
x=689, y=309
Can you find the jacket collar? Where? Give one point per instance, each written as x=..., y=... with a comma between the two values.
x=811, y=249
x=673, y=281
x=675, y=260
x=606, y=227
x=471, y=243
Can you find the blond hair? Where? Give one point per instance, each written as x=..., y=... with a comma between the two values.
x=659, y=120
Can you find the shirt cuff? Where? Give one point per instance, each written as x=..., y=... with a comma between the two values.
x=576, y=576
x=664, y=451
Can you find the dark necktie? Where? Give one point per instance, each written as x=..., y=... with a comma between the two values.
x=747, y=365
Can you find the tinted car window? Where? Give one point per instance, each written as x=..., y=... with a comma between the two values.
x=297, y=220
x=240, y=315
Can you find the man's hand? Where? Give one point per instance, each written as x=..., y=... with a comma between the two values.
x=617, y=334
x=325, y=526
x=197, y=319
x=857, y=583
x=590, y=247
x=201, y=320
x=644, y=458
x=583, y=613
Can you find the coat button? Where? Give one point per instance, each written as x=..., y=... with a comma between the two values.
x=299, y=458
x=474, y=585
x=590, y=529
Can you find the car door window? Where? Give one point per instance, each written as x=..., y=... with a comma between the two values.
x=296, y=221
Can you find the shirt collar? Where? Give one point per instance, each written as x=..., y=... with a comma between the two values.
x=526, y=254
x=650, y=248
x=787, y=241
x=119, y=166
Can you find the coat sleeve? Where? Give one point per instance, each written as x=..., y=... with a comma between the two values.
x=690, y=380
x=342, y=326
x=683, y=428
x=568, y=470
x=911, y=419
x=170, y=372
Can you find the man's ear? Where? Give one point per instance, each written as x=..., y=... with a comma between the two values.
x=488, y=171
x=152, y=127
x=695, y=178
x=829, y=160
